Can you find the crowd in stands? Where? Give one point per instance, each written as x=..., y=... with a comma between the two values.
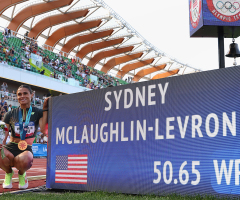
x=17, y=52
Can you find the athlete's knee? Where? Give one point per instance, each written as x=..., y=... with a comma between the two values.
x=23, y=161
x=7, y=157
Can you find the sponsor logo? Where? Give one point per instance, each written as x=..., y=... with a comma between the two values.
x=227, y=11
x=35, y=149
x=195, y=12
x=44, y=149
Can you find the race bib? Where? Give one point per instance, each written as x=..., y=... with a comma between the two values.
x=30, y=129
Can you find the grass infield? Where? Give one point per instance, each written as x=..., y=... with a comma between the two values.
x=102, y=195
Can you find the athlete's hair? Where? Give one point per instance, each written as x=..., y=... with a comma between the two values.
x=27, y=87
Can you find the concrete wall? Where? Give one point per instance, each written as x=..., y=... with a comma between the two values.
x=42, y=84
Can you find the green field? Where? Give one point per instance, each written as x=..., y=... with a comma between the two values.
x=100, y=195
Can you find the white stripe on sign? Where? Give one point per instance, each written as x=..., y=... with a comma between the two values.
x=77, y=162
x=76, y=158
x=78, y=167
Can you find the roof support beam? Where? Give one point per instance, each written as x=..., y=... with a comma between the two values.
x=35, y=10
x=97, y=46
x=5, y=4
x=166, y=74
x=148, y=71
x=104, y=54
x=81, y=39
x=55, y=20
x=70, y=30
x=119, y=60
x=132, y=66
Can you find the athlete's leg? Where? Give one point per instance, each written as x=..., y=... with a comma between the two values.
x=7, y=162
x=23, y=162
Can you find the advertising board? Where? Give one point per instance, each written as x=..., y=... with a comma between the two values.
x=207, y=14
x=39, y=150
x=172, y=135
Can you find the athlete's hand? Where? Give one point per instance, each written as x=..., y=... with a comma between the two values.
x=4, y=142
x=45, y=104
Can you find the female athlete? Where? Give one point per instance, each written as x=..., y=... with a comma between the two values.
x=23, y=123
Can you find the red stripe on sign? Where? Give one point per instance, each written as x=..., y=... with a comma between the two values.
x=78, y=160
x=70, y=182
x=77, y=156
x=77, y=164
x=77, y=168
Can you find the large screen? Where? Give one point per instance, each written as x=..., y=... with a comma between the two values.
x=172, y=135
x=208, y=13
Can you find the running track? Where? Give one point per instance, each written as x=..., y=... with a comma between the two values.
x=38, y=169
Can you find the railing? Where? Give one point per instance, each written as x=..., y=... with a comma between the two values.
x=83, y=7
x=96, y=18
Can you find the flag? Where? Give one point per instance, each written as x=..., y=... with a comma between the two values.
x=195, y=2
x=71, y=169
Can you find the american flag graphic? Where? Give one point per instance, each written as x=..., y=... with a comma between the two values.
x=195, y=2
x=71, y=169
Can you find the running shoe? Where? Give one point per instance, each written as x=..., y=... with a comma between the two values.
x=7, y=184
x=23, y=182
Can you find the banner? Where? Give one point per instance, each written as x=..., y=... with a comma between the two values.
x=207, y=15
x=172, y=135
x=36, y=60
x=94, y=79
x=39, y=150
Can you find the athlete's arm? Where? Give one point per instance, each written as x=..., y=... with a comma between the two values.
x=43, y=120
x=6, y=134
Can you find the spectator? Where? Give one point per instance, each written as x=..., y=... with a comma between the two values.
x=2, y=113
x=9, y=107
x=5, y=106
x=9, y=33
x=6, y=93
x=7, y=51
x=14, y=59
x=28, y=67
x=12, y=51
x=33, y=96
x=14, y=95
x=23, y=65
x=4, y=86
x=42, y=72
x=26, y=34
x=6, y=31
x=43, y=139
x=38, y=136
x=37, y=100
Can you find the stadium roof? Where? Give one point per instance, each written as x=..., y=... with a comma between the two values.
x=92, y=31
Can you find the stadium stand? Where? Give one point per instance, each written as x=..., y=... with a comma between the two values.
x=17, y=52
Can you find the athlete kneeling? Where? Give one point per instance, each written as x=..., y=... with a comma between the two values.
x=23, y=123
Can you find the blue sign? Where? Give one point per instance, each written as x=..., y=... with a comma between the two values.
x=172, y=135
x=207, y=14
x=39, y=150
